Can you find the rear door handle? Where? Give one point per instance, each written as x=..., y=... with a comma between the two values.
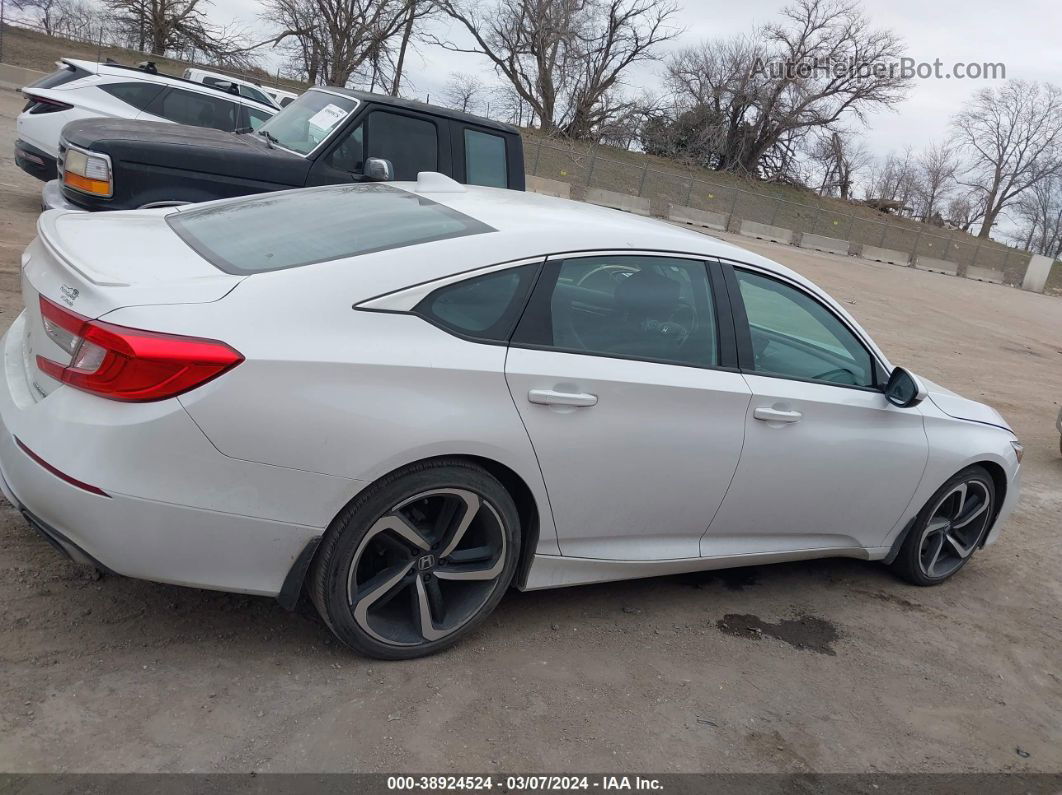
x=776, y=415
x=550, y=397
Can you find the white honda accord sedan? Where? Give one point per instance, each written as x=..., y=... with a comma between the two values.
x=403, y=398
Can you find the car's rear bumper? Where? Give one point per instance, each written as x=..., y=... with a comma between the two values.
x=35, y=162
x=49, y=445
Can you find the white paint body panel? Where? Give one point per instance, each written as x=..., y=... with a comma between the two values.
x=641, y=474
x=225, y=485
x=850, y=444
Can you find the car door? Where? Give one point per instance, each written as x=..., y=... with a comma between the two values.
x=412, y=142
x=619, y=368
x=827, y=461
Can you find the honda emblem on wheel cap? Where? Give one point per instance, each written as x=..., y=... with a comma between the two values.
x=425, y=562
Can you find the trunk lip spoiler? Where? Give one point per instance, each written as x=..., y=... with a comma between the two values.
x=48, y=234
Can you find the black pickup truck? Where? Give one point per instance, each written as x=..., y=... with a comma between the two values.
x=326, y=136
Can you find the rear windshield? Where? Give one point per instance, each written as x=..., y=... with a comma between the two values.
x=291, y=229
x=65, y=74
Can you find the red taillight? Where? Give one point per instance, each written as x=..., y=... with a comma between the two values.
x=129, y=364
x=39, y=104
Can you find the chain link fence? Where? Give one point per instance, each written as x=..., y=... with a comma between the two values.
x=636, y=174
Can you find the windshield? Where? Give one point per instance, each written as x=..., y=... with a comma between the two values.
x=306, y=122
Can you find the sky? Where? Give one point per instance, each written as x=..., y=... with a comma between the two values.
x=1024, y=35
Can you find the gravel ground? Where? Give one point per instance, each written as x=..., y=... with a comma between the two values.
x=810, y=667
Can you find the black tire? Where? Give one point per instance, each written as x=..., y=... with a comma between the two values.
x=971, y=491
x=422, y=504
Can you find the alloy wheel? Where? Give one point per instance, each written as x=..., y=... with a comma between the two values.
x=954, y=529
x=426, y=567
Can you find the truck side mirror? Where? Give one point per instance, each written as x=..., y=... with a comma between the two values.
x=379, y=170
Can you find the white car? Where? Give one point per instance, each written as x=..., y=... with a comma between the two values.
x=246, y=88
x=84, y=89
x=281, y=97
x=407, y=396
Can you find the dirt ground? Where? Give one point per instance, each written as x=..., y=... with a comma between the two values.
x=808, y=667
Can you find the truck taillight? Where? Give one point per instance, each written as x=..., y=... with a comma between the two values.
x=129, y=364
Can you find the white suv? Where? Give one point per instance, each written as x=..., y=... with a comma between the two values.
x=245, y=88
x=83, y=89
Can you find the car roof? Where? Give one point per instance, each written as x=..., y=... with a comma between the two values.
x=532, y=223
x=136, y=73
x=423, y=107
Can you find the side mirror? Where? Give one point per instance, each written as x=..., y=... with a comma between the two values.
x=379, y=170
x=904, y=389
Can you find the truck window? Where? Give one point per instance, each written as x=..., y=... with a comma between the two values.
x=485, y=160
x=411, y=144
x=348, y=154
x=198, y=110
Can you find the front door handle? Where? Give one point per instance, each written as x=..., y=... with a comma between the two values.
x=776, y=415
x=551, y=397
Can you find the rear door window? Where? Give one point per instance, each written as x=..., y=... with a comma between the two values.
x=485, y=162
x=140, y=94
x=198, y=110
x=409, y=142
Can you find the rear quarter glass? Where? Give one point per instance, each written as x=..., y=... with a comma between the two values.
x=387, y=218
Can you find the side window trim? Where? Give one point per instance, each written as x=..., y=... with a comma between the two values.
x=745, y=354
x=541, y=297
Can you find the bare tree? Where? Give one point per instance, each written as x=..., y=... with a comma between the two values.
x=334, y=39
x=965, y=210
x=416, y=11
x=507, y=105
x=1040, y=210
x=1013, y=138
x=161, y=26
x=823, y=63
x=48, y=15
x=839, y=157
x=937, y=166
x=894, y=181
x=463, y=92
x=564, y=58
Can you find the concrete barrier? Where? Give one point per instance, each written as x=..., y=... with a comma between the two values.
x=936, y=265
x=876, y=254
x=16, y=76
x=694, y=217
x=617, y=201
x=984, y=274
x=1036, y=273
x=775, y=234
x=830, y=245
x=548, y=187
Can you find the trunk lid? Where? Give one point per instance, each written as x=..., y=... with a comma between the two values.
x=77, y=262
